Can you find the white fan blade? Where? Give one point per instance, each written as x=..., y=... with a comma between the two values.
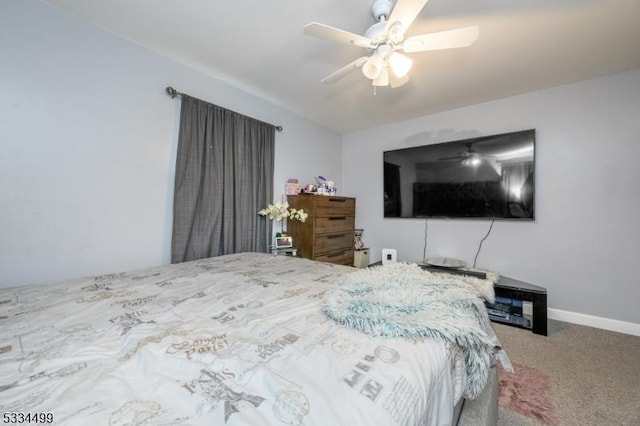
x=461, y=37
x=402, y=16
x=324, y=31
x=342, y=72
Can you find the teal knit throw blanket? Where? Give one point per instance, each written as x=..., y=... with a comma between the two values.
x=402, y=300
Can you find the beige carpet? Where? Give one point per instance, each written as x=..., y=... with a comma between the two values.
x=594, y=374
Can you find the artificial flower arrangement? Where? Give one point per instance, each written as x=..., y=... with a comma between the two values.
x=281, y=211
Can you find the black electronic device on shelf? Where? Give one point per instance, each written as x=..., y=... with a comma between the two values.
x=449, y=265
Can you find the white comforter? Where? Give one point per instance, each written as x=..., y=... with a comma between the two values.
x=236, y=340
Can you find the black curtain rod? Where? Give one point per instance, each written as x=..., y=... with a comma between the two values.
x=173, y=93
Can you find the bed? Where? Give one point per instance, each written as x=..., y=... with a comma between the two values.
x=241, y=339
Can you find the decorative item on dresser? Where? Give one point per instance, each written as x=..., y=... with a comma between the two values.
x=328, y=234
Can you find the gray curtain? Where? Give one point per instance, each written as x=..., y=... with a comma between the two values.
x=224, y=175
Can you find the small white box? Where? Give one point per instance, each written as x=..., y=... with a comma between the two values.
x=389, y=256
x=361, y=258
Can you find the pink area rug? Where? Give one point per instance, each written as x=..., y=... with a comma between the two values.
x=527, y=392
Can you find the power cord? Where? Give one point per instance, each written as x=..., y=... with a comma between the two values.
x=426, y=229
x=482, y=241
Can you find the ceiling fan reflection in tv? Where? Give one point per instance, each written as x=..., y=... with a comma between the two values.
x=486, y=177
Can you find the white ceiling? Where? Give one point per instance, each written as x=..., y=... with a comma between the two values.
x=258, y=46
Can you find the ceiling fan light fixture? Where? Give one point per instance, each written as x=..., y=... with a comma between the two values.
x=382, y=79
x=400, y=64
x=373, y=67
x=472, y=161
x=397, y=82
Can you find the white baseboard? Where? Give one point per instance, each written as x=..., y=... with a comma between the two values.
x=597, y=322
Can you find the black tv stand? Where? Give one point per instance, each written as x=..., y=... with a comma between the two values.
x=513, y=289
x=509, y=288
x=520, y=290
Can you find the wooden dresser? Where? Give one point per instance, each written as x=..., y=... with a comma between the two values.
x=328, y=233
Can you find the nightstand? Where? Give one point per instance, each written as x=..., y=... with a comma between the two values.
x=291, y=251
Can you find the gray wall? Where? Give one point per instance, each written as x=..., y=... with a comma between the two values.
x=585, y=243
x=88, y=146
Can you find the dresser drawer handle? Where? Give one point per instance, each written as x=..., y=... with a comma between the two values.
x=337, y=200
x=338, y=218
x=331, y=237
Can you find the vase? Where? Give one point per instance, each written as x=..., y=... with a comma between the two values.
x=357, y=239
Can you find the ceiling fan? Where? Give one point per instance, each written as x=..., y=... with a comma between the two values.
x=386, y=66
x=469, y=157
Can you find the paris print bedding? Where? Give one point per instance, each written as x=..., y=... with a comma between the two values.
x=234, y=340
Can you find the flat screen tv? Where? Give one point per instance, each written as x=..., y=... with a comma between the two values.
x=486, y=177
